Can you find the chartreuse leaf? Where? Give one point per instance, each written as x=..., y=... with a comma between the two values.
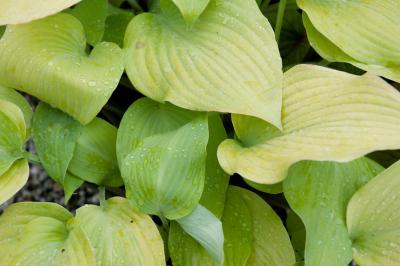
x=207, y=230
x=162, y=154
x=327, y=115
x=373, y=220
x=50, y=62
x=12, y=134
x=92, y=14
x=22, y=11
x=334, y=25
x=190, y=9
x=17, y=99
x=319, y=192
x=121, y=235
x=95, y=158
x=227, y=61
x=41, y=234
x=55, y=135
x=254, y=235
x=13, y=179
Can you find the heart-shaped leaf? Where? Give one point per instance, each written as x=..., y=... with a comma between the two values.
x=22, y=11
x=327, y=115
x=162, y=154
x=338, y=35
x=319, y=192
x=13, y=180
x=39, y=234
x=373, y=220
x=122, y=236
x=50, y=62
x=227, y=61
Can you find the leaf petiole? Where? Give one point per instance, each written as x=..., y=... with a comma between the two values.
x=279, y=19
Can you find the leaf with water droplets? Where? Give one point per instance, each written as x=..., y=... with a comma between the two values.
x=373, y=219
x=227, y=61
x=41, y=234
x=327, y=115
x=122, y=235
x=370, y=40
x=92, y=14
x=162, y=155
x=13, y=180
x=12, y=134
x=207, y=230
x=54, y=134
x=95, y=158
x=22, y=11
x=50, y=62
x=319, y=192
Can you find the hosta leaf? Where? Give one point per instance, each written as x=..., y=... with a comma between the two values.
x=71, y=183
x=13, y=180
x=92, y=14
x=373, y=220
x=22, y=11
x=319, y=192
x=228, y=61
x=37, y=234
x=271, y=189
x=55, y=135
x=327, y=115
x=12, y=134
x=121, y=235
x=207, y=230
x=216, y=180
x=17, y=99
x=297, y=233
x=374, y=50
x=47, y=58
x=94, y=158
x=165, y=175
x=190, y=9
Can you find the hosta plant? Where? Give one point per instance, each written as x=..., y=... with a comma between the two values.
x=216, y=132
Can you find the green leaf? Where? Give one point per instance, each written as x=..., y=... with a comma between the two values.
x=228, y=61
x=39, y=234
x=319, y=192
x=22, y=11
x=216, y=180
x=373, y=220
x=55, y=135
x=122, y=235
x=115, y=27
x=13, y=180
x=207, y=230
x=12, y=134
x=92, y=14
x=293, y=42
x=95, y=158
x=19, y=100
x=297, y=233
x=327, y=115
x=270, y=189
x=51, y=64
x=374, y=50
x=191, y=9
x=71, y=183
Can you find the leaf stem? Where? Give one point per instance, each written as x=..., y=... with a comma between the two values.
x=165, y=222
x=279, y=19
x=102, y=196
x=32, y=158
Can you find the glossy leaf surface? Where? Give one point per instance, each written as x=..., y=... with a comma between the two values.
x=327, y=115
x=227, y=61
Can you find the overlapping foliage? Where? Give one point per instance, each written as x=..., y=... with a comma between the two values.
x=289, y=97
